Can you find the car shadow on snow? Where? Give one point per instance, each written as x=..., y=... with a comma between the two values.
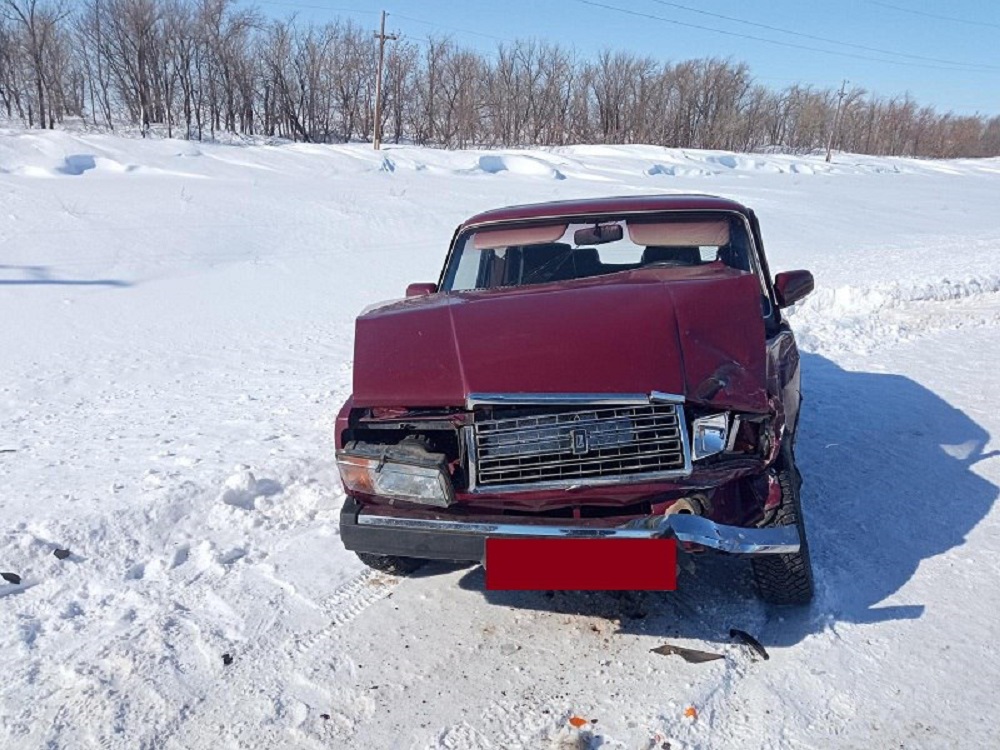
x=888, y=483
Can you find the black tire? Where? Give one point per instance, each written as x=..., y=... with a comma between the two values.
x=397, y=566
x=786, y=579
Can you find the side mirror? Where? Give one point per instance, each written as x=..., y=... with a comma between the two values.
x=792, y=286
x=421, y=289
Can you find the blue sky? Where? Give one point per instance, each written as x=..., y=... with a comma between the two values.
x=948, y=54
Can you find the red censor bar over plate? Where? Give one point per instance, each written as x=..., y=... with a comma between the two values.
x=581, y=564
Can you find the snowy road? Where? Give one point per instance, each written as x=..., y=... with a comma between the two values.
x=176, y=326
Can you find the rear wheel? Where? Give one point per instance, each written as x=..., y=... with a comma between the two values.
x=786, y=579
x=397, y=566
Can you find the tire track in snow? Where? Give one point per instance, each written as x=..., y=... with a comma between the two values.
x=268, y=673
x=517, y=723
x=346, y=602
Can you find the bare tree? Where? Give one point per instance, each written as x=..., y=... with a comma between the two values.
x=212, y=66
x=400, y=85
x=39, y=22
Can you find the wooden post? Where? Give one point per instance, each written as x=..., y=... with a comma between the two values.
x=382, y=37
x=836, y=119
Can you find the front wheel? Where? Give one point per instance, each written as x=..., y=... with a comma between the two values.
x=786, y=579
x=397, y=566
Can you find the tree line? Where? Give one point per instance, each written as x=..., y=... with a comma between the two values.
x=201, y=68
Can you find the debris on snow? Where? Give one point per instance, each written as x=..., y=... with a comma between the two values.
x=657, y=742
x=60, y=553
x=744, y=637
x=227, y=659
x=11, y=578
x=691, y=655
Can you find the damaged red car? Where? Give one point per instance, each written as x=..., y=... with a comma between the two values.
x=609, y=368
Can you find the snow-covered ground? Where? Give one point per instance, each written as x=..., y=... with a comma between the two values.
x=176, y=327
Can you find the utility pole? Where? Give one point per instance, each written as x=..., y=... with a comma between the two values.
x=836, y=118
x=382, y=37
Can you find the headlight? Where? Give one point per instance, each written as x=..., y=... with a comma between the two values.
x=401, y=481
x=709, y=435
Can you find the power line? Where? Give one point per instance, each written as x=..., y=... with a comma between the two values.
x=375, y=13
x=451, y=28
x=822, y=38
x=791, y=45
x=316, y=7
x=936, y=16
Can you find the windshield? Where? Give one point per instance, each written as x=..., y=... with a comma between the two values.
x=543, y=252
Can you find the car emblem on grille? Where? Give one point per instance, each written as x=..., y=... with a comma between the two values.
x=581, y=441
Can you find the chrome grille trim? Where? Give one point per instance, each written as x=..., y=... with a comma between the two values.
x=553, y=399
x=583, y=399
x=603, y=444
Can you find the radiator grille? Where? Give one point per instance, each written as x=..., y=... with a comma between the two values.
x=567, y=445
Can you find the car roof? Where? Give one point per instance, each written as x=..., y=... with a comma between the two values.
x=610, y=205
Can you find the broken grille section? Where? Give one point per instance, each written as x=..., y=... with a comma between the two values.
x=592, y=443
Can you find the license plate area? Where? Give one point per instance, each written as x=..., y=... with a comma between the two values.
x=514, y=564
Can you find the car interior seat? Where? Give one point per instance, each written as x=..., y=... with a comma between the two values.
x=586, y=262
x=556, y=261
x=670, y=255
x=734, y=257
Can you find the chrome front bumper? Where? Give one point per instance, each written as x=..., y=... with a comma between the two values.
x=685, y=528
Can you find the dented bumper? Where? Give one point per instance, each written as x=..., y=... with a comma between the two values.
x=464, y=540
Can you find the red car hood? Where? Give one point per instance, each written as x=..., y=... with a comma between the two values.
x=694, y=331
